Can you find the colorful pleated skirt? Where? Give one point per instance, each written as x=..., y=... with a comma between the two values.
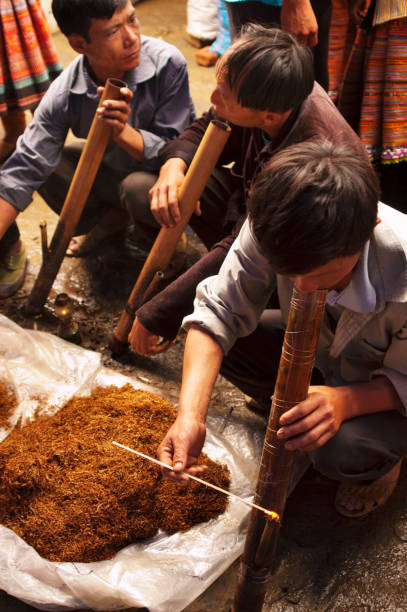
x=29, y=61
x=341, y=38
x=374, y=92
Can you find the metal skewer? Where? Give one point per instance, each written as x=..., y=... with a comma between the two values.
x=272, y=515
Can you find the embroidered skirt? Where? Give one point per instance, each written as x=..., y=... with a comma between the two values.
x=28, y=59
x=374, y=93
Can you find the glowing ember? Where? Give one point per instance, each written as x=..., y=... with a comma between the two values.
x=273, y=515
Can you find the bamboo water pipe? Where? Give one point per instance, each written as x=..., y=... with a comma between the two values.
x=75, y=201
x=293, y=378
x=153, y=271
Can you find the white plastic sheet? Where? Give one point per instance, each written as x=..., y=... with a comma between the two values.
x=163, y=574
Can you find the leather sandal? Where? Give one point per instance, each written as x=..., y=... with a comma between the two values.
x=81, y=246
x=369, y=496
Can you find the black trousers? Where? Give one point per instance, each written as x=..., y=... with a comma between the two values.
x=243, y=12
x=11, y=236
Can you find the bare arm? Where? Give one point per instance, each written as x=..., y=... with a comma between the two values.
x=8, y=214
x=298, y=18
x=116, y=114
x=164, y=193
x=184, y=440
x=311, y=423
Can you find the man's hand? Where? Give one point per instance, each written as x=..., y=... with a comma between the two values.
x=163, y=194
x=181, y=448
x=298, y=18
x=116, y=112
x=144, y=342
x=357, y=10
x=311, y=423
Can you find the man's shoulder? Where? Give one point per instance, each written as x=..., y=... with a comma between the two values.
x=390, y=252
x=319, y=118
x=160, y=51
x=394, y=220
x=72, y=77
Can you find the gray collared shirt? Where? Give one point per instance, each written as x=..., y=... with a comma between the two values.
x=160, y=110
x=370, y=338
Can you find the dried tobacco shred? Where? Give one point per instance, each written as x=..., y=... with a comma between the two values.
x=7, y=404
x=74, y=496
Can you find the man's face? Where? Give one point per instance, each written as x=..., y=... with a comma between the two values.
x=114, y=46
x=336, y=274
x=225, y=104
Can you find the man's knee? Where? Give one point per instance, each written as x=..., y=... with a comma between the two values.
x=134, y=192
x=354, y=455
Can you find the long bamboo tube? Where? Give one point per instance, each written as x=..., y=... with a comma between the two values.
x=293, y=378
x=75, y=201
x=197, y=176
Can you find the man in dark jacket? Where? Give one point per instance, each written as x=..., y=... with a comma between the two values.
x=266, y=90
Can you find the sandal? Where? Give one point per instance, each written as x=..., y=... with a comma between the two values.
x=81, y=246
x=368, y=497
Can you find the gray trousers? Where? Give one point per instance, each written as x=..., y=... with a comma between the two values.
x=111, y=188
x=364, y=448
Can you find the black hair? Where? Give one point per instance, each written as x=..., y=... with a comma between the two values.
x=311, y=203
x=74, y=16
x=268, y=69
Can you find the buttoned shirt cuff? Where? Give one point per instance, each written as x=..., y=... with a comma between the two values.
x=152, y=144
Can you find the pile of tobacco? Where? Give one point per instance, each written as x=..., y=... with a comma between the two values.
x=74, y=496
x=7, y=404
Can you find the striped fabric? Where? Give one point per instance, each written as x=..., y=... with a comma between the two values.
x=341, y=37
x=374, y=93
x=28, y=58
x=386, y=10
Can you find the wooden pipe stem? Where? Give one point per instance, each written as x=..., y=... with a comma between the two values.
x=89, y=162
x=164, y=246
x=293, y=378
x=44, y=240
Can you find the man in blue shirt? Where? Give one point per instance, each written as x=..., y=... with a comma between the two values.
x=155, y=108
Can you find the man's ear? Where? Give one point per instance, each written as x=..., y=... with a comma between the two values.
x=78, y=43
x=274, y=119
x=270, y=118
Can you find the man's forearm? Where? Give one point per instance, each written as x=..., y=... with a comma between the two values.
x=202, y=359
x=8, y=214
x=132, y=142
x=378, y=395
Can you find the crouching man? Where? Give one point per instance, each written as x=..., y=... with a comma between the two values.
x=314, y=222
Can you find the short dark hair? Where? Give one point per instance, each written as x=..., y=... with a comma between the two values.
x=74, y=16
x=311, y=203
x=268, y=69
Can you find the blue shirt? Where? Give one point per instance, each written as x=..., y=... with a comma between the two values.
x=161, y=108
x=270, y=2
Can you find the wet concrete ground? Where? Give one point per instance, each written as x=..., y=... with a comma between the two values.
x=325, y=562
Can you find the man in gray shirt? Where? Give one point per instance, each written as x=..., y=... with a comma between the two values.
x=313, y=222
x=155, y=108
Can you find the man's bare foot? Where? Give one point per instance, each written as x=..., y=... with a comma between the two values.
x=113, y=222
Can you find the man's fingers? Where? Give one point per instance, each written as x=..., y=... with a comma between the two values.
x=126, y=93
x=312, y=40
x=311, y=439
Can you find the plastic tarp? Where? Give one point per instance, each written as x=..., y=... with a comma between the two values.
x=161, y=574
